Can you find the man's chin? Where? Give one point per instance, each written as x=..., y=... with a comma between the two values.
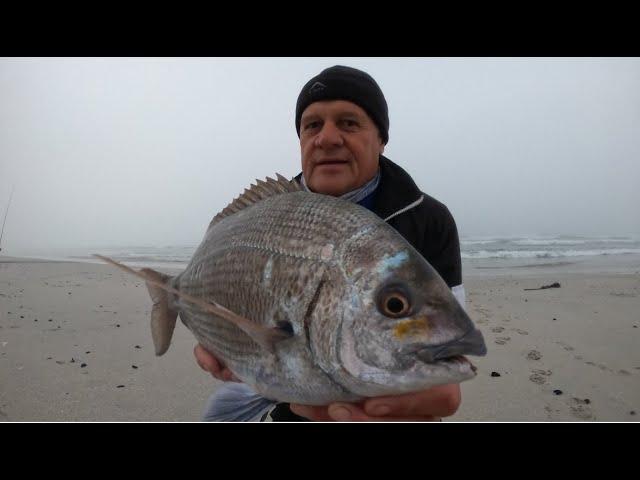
x=329, y=183
x=329, y=188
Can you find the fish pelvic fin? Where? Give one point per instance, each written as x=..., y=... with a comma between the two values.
x=163, y=318
x=266, y=337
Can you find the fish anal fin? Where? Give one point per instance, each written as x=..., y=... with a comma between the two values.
x=163, y=319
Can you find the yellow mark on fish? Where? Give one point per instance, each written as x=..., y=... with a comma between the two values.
x=415, y=326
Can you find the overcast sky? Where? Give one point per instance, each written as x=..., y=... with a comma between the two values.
x=134, y=151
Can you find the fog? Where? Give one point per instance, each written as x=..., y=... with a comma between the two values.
x=137, y=151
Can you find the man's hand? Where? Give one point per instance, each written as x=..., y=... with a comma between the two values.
x=426, y=406
x=211, y=364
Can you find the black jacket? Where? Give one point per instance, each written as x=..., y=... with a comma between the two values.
x=428, y=226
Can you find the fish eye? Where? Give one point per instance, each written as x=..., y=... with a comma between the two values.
x=394, y=302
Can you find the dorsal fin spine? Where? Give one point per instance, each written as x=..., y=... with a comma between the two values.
x=252, y=195
x=256, y=193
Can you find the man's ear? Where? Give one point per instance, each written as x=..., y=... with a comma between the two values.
x=382, y=145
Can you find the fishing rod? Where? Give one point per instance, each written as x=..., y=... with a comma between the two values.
x=5, y=217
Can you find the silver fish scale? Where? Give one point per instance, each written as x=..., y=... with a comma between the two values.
x=264, y=263
x=297, y=224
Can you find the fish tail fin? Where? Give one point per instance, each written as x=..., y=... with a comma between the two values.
x=163, y=318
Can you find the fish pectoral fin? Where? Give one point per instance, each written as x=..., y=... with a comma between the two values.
x=267, y=337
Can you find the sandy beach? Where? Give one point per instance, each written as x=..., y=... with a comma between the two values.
x=75, y=345
x=562, y=354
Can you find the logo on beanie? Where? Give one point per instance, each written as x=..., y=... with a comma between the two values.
x=317, y=87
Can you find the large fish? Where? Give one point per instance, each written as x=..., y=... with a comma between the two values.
x=311, y=299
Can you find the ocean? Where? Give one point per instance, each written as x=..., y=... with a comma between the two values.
x=545, y=247
x=519, y=250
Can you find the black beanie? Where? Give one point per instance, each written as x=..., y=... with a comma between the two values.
x=346, y=83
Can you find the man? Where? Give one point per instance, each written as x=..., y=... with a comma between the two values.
x=343, y=123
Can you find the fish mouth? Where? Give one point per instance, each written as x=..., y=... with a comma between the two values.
x=458, y=361
x=451, y=354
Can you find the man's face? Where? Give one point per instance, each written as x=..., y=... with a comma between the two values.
x=340, y=147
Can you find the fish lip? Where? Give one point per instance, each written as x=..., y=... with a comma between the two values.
x=448, y=361
x=472, y=341
x=456, y=360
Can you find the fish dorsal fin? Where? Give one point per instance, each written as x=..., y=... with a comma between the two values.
x=258, y=192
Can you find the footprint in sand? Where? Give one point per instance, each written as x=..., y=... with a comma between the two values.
x=502, y=340
x=580, y=408
x=521, y=332
x=624, y=372
x=497, y=329
x=534, y=355
x=568, y=348
x=601, y=366
x=540, y=376
x=536, y=378
x=550, y=411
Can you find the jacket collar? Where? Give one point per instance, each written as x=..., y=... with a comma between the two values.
x=396, y=189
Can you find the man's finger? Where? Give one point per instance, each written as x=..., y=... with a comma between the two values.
x=347, y=412
x=440, y=401
x=352, y=414
x=335, y=412
x=402, y=419
x=208, y=362
x=228, y=376
x=317, y=414
x=201, y=358
x=211, y=364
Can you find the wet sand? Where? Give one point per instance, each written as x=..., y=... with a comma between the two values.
x=75, y=345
